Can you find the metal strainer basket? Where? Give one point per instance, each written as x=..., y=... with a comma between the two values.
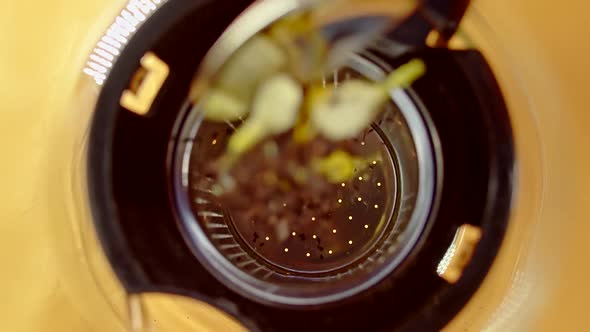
x=310, y=245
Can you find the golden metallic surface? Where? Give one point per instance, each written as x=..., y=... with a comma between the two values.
x=140, y=99
x=460, y=253
x=539, y=282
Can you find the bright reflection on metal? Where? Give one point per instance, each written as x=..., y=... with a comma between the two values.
x=459, y=253
x=116, y=37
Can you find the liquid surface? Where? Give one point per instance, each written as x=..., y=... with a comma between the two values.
x=304, y=230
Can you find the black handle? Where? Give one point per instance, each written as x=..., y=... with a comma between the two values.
x=442, y=16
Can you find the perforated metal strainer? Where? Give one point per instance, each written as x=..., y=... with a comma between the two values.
x=316, y=244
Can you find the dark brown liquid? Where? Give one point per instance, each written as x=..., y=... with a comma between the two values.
x=300, y=233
